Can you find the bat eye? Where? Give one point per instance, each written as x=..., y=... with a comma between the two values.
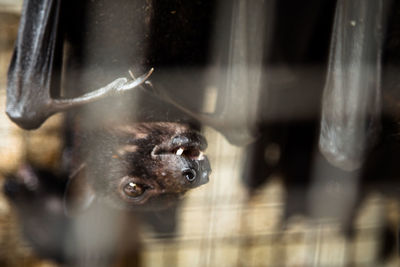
x=133, y=190
x=189, y=174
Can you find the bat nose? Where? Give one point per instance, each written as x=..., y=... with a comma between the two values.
x=198, y=172
x=190, y=175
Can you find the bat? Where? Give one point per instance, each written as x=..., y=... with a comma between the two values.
x=351, y=103
x=144, y=169
x=138, y=168
x=33, y=91
x=123, y=171
x=132, y=174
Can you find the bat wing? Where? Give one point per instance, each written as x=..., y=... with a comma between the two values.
x=351, y=101
x=32, y=64
x=34, y=67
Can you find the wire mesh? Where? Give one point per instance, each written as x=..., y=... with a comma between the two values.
x=220, y=224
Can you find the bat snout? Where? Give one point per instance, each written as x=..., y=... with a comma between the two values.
x=198, y=172
x=190, y=175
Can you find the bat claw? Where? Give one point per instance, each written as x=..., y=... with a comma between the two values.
x=135, y=82
x=117, y=86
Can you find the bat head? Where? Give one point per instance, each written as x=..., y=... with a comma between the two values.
x=144, y=165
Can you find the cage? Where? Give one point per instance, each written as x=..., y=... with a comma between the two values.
x=297, y=101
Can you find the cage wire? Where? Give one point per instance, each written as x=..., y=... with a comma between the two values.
x=219, y=224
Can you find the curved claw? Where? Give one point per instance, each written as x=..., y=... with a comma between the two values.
x=119, y=85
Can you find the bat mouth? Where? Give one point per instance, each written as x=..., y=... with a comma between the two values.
x=189, y=145
x=190, y=152
x=185, y=153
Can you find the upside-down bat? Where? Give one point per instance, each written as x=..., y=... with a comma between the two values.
x=351, y=104
x=132, y=151
x=167, y=149
x=143, y=168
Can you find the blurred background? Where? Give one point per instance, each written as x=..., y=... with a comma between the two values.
x=246, y=215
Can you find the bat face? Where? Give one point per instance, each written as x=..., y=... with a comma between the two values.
x=148, y=165
x=132, y=167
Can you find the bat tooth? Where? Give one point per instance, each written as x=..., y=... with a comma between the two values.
x=179, y=152
x=201, y=156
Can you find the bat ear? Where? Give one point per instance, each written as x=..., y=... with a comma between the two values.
x=79, y=194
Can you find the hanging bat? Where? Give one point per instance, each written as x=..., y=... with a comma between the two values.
x=144, y=169
x=33, y=85
x=351, y=103
x=131, y=173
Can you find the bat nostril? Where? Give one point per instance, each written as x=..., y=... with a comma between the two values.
x=189, y=174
